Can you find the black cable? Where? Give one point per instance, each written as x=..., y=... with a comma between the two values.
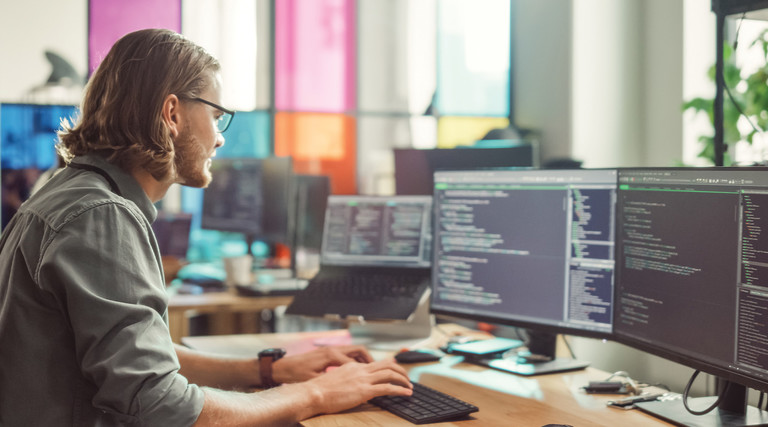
x=568, y=345
x=714, y=405
x=738, y=29
x=760, y=400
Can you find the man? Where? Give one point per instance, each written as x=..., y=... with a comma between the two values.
x=83, y=333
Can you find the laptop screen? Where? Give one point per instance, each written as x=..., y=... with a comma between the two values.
x=377, y=231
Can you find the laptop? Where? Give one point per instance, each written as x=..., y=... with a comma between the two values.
x=375, y=259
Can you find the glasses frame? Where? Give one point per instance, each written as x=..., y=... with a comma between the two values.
x=220, y=108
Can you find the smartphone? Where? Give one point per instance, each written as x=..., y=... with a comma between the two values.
x=485, y=347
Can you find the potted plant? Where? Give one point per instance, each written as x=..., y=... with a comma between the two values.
x=745, y=95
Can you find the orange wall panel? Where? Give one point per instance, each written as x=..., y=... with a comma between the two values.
x=320, y=144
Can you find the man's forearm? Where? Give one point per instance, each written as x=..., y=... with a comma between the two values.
x=345, y=387
x=284, y=405
x=218, y=372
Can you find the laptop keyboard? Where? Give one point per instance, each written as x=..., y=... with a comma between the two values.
x=354, y=287
x=426, y=405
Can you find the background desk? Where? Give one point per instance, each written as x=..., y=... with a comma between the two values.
x=504, y=399
x=228, y=312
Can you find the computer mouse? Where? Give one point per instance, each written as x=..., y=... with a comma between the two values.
x=415, y=356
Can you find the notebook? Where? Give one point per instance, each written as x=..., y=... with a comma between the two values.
x=375, y=259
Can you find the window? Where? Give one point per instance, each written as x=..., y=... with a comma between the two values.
x=337, y=84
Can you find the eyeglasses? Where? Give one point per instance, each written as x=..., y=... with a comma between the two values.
x=224, y=120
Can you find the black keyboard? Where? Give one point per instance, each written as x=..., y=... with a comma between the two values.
x=426, y=405
x=366, y=287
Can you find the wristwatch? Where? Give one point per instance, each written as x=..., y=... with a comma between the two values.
x=266, y=359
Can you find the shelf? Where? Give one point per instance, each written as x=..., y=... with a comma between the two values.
x=732, y=7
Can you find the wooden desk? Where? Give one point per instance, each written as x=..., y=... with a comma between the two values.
x=229, y=313
x=504, y=399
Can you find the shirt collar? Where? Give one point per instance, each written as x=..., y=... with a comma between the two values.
x=127, y=184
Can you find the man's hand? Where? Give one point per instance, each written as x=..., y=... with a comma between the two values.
x=309, y=365
x=343, y=388
x=356, y=383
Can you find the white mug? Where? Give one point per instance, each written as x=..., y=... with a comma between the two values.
x=239, y=270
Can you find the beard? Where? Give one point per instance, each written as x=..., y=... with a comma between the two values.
x=191, y=161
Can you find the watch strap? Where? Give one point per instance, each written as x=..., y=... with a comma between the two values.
x=265, y=369
x=266, y=359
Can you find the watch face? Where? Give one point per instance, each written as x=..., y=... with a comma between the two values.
x=274, y=353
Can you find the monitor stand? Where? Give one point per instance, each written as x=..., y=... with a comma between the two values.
x=540, y=359
x=732, y=411
x=390, y=335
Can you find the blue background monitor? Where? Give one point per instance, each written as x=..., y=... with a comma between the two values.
x=27, y=141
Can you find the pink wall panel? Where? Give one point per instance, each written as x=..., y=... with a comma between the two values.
x=108, y=20
x=315, y=55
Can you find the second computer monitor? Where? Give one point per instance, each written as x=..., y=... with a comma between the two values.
x=693, y=268
x=250, y=196
x=531, y=248
x=312, y=193
x=172, y=233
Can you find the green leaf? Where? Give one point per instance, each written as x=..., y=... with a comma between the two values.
x=699, y=105
x=727, y=51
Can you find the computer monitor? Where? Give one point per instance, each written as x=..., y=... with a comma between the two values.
x=527, y=248
x=27, y=140
x=692, y=278
x=172, y=233
x=250, y=196
x=312, y=193
x=414, y=168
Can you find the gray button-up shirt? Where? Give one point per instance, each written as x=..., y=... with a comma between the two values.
x=83, y=309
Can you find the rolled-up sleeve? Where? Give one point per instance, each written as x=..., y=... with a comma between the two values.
x=102, y=267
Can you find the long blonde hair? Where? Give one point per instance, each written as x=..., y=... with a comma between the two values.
x=120, y=116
